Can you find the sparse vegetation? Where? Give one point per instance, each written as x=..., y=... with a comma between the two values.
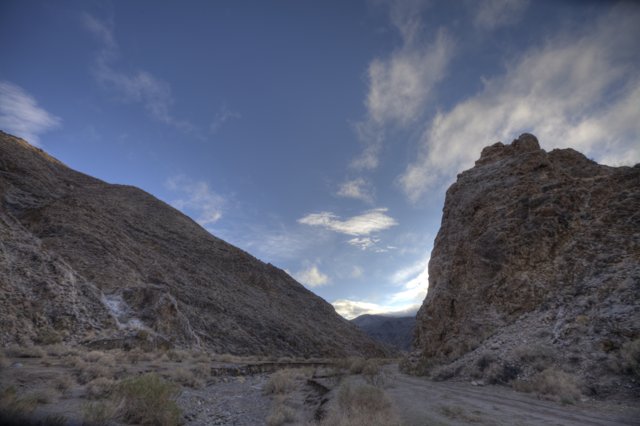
x=14, y=407
x=149, y=400
x=281, y=414
x=99, y=413
x=185, y=377
x=361, y=405
x=630, y=353
x=100, y=387
x=48, y=336
x=25, y=352
x=283, y=381
x=554, y=384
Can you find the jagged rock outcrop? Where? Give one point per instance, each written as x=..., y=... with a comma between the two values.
x=83, y=259
x=537, y=253
x=396, y=332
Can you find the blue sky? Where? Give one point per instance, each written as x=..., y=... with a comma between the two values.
x=318, y=136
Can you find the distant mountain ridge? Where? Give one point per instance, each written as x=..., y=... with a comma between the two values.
x=86, y=260
x=396, y=332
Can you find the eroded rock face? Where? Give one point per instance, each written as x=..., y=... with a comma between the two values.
x=535, y=249
x=114, y=259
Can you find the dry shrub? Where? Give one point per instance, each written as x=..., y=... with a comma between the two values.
x=553, y=384
x=59, y=350
x=63, y=383
x=201, y=370
x=630, y=353
x=4, y=362
x=48, y=336
x=281, y=414
x=499, y=373
x=538, y=356
x=100, y=388
x=93, y=371
x=228, y=358
x=200, y=356
x=101, y=413
x=149, y=400
x=284, y=381
x=185, y=377
x=14, y=408
x=92, y=356
x=137, y=355
x=25, y=352
x=361, y=405
x=372, y=372
x=43, y=396
x=177, y=355
x=356, y=365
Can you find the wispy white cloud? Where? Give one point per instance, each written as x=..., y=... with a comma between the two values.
x=138, y=86
x=402, y=83
x=21, y=116
x=578, y=90
x=370, y=221
x=223, y=115
x=492, y=14
x=364, y=242
x=196, y=198
x=350, y=309
x=312, y=277
x=358, y=189
x=412, y=281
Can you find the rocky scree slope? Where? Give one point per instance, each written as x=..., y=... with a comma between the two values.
x=536, y=264
x=83, y=259
x=396, y=332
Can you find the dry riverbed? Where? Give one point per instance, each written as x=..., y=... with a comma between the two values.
x=72, y=386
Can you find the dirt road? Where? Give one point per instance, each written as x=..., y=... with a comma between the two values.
x=424, y=402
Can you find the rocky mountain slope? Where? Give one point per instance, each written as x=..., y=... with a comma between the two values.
x=536, y=265
x=85, y=260
x=396, y=332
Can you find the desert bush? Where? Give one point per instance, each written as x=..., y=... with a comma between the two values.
x=501, y=373
x=372, y=372
x=63, y=383
x=137, y=355
x=25, y=352
x=360, y=405
x=100, y=387
x=59, y=350
x=92, y=371
x=552, y=383
x=284, y=381
x=538, y=356
x=42, y=396
x=13, y=407
x=356, y=365
x=48, y=336
x=201, y=370
x=100, y=413
x=4, y=362
x=149, y=400
x=177, y=355
x=185, y=377
x=281, y=414
x=92, y=356
x=630, y=353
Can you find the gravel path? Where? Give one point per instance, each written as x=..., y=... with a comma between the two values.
x=420, y=401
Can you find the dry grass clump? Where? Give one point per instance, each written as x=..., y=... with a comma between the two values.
x=137, y=355
x=25, y=352
x=4, y=362
x=92, y=371
x=92, y=356
x=281, y=414
x=63, y=383
x=361, y=405
x=538, y=356
x=48, y=336
x=201, y=370
x=59, y=350
x=15, y=408
x=185, y=378
x=100, y=387
x=177, y=355
x=630, y=353
x=356, y=365
x=149, y=400
x=284, y=381
x=100, y=413
x=554, y=384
